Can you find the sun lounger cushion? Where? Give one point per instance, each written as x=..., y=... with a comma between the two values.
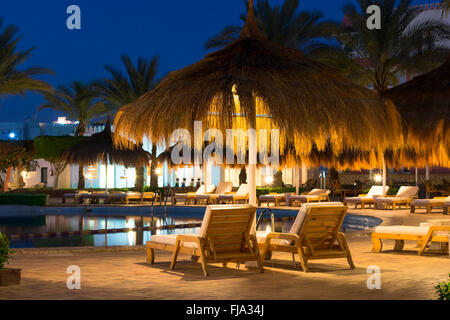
x=271, y=196
x=241, y=192
x=170, y=239
x=222, y=188
x=375, y=191
x=420, y=230
x=424, y=202
x=298, y=223
x=407, y=192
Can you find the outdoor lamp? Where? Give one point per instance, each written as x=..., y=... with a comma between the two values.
x=12, y=135
x=378, y=178
x=158, y=171
x=269, y=179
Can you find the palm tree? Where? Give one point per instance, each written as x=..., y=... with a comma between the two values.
x=121, y=89
x=12, y=80
x=377, y=58
x=79, y=102
x=281, y=24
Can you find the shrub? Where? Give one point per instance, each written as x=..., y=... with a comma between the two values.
x=5, y=252
x=23, y=199
x=443, y=290
x=263, y=191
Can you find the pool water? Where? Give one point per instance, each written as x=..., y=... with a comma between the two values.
x=100, y=227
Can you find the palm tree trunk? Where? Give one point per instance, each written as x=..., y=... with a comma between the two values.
x=79, y=132
x=153, y=175
x=81, y=185
x=8, y=177
x=139, y=184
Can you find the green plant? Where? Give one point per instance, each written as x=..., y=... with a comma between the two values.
x=443, y=289
x=5, y=252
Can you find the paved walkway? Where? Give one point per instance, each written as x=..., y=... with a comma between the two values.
x=125, y=275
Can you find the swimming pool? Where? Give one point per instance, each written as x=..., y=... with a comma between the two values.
x=31, y=227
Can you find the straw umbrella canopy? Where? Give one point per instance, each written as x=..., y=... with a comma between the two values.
x=254, y=83
x=100, y=147
x=424, y=104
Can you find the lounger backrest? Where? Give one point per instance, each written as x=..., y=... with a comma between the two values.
x=321, y=226
x=201, y=190
x=407, y=192
x=210, y=188
x=377, y=191
x=298, y=223
x=243, y=190
x=224, y=187
x=226, y=228
x=316, y=192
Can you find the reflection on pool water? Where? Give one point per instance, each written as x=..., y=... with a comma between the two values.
x=67, y=229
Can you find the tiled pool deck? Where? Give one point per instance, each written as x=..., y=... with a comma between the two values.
x=123, y=274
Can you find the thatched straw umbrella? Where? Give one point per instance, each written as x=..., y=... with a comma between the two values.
x=100, y=147
x=424, y=104
x=254, y=83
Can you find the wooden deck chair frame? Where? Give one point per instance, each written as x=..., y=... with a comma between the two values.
x=324, y=197
x=227, y=238
x=317, y=237
x=430, y=205
x=423, y=240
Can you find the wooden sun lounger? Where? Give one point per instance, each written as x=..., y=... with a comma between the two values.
x=273, y=197
x=315, y=195
x=75, y=196
x=404, y=196
x=222, y=188
x=190, y=197
x=314, y=235
x=429, y=204
x=241, y=195
x=367, y=199
x=423, y=235
x=225, y=236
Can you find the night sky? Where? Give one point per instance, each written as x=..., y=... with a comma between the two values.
x=175, y=30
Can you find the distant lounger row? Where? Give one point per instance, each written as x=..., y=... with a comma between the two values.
x=210, y=194
x=376, y=198
x=228, y=235
x=113, y=197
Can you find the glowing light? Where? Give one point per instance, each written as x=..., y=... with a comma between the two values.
x=158, y=171
x=63, y=120
x=268, y=229
x=378, y=178
x=269, y=179
x=24, y=174
x=12, y=135
x=89, y=176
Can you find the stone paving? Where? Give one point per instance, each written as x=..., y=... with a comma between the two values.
x=125, y=275
x=121, y=273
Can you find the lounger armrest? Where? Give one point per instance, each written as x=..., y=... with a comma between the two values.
x=440, y=198
x=362, y=195
x=188, y=238
x=282, y=236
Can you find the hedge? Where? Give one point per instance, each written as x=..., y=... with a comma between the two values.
x=23, y=199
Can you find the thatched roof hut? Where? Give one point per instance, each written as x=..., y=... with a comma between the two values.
x=100, y=147
x=424, y=104
x=254, y=83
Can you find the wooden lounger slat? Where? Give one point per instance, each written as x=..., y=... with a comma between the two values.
x=319, y=237
x=225, y=237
